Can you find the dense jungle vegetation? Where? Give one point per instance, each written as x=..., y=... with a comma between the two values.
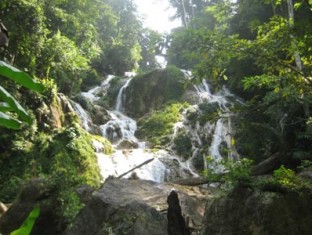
x=260, y=49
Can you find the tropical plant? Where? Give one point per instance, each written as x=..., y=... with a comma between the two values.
x=26, y=227
x=11, y=112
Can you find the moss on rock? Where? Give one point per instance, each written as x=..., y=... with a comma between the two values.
x=158, y=126
x=66, y=158
x=148, y=92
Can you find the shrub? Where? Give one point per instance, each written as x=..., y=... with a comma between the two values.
x=285, y=177
x=183, y=145
x=158, y=126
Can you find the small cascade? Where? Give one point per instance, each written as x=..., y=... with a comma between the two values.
x=119, y=128
x=121, y=96
x=218, y=131
x=83, y=115
x=92, y=94
x=123, y=160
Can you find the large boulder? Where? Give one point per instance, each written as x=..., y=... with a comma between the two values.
x=150, y=91
x=247, y=211
x=135, y=207
x=36, y=192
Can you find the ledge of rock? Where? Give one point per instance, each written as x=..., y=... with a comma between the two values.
x=136, y=207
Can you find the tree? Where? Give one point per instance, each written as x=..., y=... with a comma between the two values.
x=279, y=91
x=152, y=44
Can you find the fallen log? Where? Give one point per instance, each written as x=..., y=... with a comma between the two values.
x=196, y=181
x=267, y=166
x=134, y=168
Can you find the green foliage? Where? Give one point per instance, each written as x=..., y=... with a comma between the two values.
x=66, y=158
x=183, y=145
x=230, y=172
x=75, y=42
x=9, y=104
x=158, y=126
x=64, y=62
x=152, y=43
x=25, y=22
x=181, y=47
x=285, y=177
x=264, y=55
x=123, y=58
x=28, y=224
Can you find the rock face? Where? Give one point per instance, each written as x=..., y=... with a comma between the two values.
x=57, y=114
x=133, y=207
x=256, y=212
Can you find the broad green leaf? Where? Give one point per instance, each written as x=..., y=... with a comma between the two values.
x=16, y=107
x=9, y=122
x=28, y=224
x=20, y=77
x=5, y=107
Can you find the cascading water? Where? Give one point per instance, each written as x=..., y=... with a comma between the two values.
x=219, y=131
x=130, y=152
x=92, y=94
x=84, y=116
x=120, y=131
x=121, y=96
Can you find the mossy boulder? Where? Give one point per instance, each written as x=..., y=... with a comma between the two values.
x=65, y=158
x=157, y=127
x=148, y=92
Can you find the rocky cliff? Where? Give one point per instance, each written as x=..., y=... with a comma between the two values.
x=246, y=211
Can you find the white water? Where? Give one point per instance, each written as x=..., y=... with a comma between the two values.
x=165, y=165
x=220, y=131
x=119, y=129
x=83, y=115
x=92, y=94
x=123, y=160
x=121, y=96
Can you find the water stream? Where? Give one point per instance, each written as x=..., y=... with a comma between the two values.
x=130, y=152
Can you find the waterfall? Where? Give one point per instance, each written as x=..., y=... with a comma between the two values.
x=121, y=96
x=167, y=165
x=83, y=115
x=92, y=94
x=120, y=131
x=218, y=131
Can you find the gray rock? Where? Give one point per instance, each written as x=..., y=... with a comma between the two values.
x=127, y=144
x=133, y=207
x=247, y=211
